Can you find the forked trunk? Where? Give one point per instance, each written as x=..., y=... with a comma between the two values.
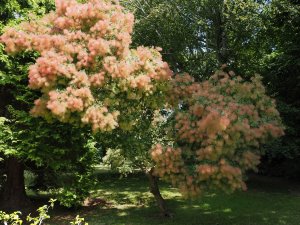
x=154, y=189
x=14, y=196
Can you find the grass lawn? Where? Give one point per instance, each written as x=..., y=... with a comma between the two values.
x=127, y=201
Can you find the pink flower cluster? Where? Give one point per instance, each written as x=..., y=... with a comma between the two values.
x=100, y=118
x=71, y=100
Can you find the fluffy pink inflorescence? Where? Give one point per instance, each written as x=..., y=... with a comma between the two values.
x=85, y=58
x=218, y=131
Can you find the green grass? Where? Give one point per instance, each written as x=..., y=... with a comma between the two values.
x=127, y=201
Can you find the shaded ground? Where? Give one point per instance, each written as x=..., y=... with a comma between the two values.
x=127, y=201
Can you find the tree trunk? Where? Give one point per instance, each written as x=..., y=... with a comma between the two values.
x=154, y=189
x=14, y=196
x=2, y=173
x=221, y=36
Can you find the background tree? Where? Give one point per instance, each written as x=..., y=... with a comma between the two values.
x=63, y=165
x=13, y=85
x=281, y=72
x=199, y=36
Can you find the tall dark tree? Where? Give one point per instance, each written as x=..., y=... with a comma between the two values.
x=14, y=93
x=32, y=143
x=282, y=73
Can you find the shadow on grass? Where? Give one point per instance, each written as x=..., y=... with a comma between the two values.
x=127, y=201
x=192, y=214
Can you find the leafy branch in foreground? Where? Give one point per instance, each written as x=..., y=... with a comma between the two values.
x=15, y=217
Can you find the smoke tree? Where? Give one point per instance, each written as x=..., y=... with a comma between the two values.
x=218, y=129
x=88, y=75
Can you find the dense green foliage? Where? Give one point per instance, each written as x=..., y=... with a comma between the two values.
x=282, y=74
x=198, y=36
